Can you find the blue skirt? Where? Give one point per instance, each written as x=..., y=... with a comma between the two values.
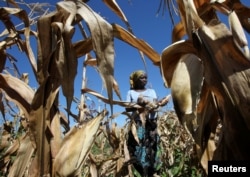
x=147, y=152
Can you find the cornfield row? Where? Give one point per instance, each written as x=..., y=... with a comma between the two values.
x=108, y=155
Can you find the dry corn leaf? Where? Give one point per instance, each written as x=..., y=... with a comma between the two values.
x=170, y=58
x=17, y=91
x=5, y=141
x=91, y=62
x=13, y=3
x=105, y=100
x=186, y=87
x=206, y=116
x=56, y=141
x=127, y=158
x=116, y=89
x=45, y=46
x=141, y=45
x=93, y=170
x=134, y=132
x=40, y=118
x=108, y=167
x=238, y=33
x=10, y=151
x=27, y=48
x=68, y=9
x=242, y=11
x=5, y=135
x=183, y=15
x=83, y=47
x=69, y=160
x=178, y=32
x=23, y=157
x=103, y=45
x=119, y=166
x=112, y=4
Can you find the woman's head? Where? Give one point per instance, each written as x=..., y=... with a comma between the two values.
x=138, y=79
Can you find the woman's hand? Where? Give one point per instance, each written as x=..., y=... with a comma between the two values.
x=164, y=100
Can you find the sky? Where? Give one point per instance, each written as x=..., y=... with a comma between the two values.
x=147, y=24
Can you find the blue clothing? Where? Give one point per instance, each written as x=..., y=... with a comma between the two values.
x=148, y=94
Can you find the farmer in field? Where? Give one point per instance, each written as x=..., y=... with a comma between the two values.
x=144, y=148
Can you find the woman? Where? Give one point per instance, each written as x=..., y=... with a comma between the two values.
x=145, y=118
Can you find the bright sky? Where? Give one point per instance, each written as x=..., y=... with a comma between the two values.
x=147, y=25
